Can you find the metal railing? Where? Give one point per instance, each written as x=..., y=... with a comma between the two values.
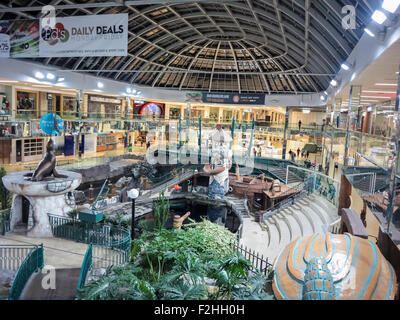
x=258, y=261
x=335, y=227
x=4, y=227
x=12, y=256
x=319, y=184
x=359, y=182
x=31, y=264
x=285, y=204
x=111, y=244
x=87, y=264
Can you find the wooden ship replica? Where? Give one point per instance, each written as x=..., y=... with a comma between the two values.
x=262, y=193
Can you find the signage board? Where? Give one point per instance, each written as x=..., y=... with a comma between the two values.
x=105, y=100
x=226, y=98
x=76, y=36
x=234, y=98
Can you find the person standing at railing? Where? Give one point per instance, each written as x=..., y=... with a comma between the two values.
x=218, y=171
x=299, y=125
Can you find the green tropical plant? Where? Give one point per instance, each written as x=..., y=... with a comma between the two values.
x=183, y=291
x=5, y=196
x=254, y=288
x=160, y=212
x=73, y=214
x=5, y=215
x=194, y=263
x=119, y=283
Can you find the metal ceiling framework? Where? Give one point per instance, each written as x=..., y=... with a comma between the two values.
x=271, y=46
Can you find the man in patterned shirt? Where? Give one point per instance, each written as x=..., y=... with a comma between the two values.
x=218, y=170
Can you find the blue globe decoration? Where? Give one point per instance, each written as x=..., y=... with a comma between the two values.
x=51, y=124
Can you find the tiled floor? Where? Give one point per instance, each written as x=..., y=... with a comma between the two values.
x=58, y=253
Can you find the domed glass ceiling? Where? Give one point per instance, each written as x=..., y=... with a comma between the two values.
x=269, y=46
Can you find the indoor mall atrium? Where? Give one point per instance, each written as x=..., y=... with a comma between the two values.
x=199, y=150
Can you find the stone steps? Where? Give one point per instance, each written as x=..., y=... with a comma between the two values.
x=316, y=211
x=304, y=218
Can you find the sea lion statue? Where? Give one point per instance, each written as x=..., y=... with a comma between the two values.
x=47, y=166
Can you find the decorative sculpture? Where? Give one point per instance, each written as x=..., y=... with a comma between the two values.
x=47, y=166
x=333, y=267
x=178, y=220
x=276, y=186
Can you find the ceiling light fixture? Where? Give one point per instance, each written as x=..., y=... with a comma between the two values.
x=390, y=5
x=128, y=90
x=50, y=76
x=322, y=98
x=39, y=75
x=379, y=17
x=100, y=85
x=386, y=84
x=60, y=79
x=334, y=83
x=306, y=110
x=369, y=32
x=345, y=66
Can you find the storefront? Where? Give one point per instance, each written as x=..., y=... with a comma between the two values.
x=101, y=107
x=69, y=107
x=148, y=109
x=5, y=102
x=27, y=104
x=27, y=149
x=174, y=112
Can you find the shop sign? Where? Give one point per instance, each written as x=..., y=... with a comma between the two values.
x=193, y=96
x=234, y=98
x=103, y=99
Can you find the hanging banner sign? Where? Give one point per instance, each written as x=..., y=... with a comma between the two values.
x=19, y=39
x=226, y=98
x=233, y=98
x=4, y=45
x=85, y=36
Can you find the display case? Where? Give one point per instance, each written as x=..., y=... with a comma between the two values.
x=27, y=104
x=70, y=107
x=174, y=113
x=106, y=142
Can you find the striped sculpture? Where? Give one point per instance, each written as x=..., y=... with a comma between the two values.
x=333, y=267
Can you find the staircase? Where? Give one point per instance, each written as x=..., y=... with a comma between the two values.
x=240, y=204
x=363, y=183
x=280, y=173
x=305, y=217
x=169, y=183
